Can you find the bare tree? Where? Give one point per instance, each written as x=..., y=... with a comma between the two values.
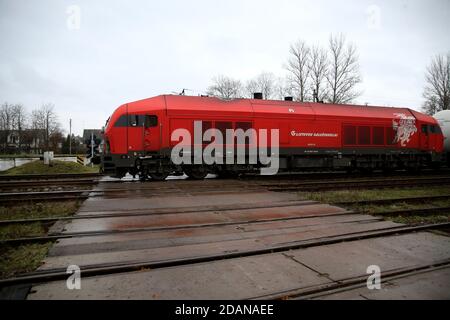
x=6, y=123
x=225, y=88
x=318, y=69
x=343, y=73
x=46, y=120
x=264, y=83
x=297, y=65
x=437, y=89
x=251, y=86
x=12, y=124
x=19, y=123
x=283, y=88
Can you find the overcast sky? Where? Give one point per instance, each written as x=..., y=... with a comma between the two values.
x=119, y=51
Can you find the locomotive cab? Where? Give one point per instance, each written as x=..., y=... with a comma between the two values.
x=431, y=137
x=132, y=133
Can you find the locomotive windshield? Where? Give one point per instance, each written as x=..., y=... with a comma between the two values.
x=137, y=120
x=122, y=121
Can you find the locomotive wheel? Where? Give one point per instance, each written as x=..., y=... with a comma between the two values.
x=196, y=173
x=158, y=176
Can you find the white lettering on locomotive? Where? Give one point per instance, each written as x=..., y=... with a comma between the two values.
x=314, y=134
x=214, y=153
x=405, y=127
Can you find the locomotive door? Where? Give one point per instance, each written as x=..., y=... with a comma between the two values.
x=424, y=137
x=135, y=132
x=432, y=137
x=143, y=133
x=152, y=133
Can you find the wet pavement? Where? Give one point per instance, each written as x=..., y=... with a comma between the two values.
x=194, y=221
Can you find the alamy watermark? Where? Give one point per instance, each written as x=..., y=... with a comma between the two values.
x=73, y=282
x=373, y=13
x=253, y=147
x=374, y=280
x=73, y=21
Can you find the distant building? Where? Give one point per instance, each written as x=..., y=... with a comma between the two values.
x=25, y=141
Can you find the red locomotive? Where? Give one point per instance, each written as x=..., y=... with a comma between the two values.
x=139, y=136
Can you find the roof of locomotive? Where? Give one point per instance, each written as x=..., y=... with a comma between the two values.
x=191, y=105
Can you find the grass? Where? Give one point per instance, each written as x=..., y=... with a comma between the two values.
x=436, y=218
x=39, y=210
x=25, y=258
x=375, y=194
x=14, y=231
x=361, y=195
x=30, y=211
x=21, y=259
x=38, y=167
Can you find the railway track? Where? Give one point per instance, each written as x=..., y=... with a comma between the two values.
x=111, y=268
x=331, y=175
x=241, y=223
x=21, y=184
x=421, y=199
x=36, y=177
x=353, y=283
x=150, y=212
x=122, y=214
x=285, y=176
x=358, y=184
x=182, y=226
x=199, y=187
x=29, y=183
x=54, y=237
x=39, y=196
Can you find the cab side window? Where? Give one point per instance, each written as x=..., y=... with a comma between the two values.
x=137, y=120
x=425, y=129
x=150, y=121
x=435, y=129
x=122, y=121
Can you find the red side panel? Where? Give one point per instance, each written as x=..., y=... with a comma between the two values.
x=300, y=125
x=208, y=107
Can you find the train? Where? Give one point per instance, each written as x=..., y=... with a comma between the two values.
x=443, y=118
x=147, y=137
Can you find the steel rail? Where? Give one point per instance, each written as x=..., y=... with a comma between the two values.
x=344, y=285
x=407, y=212
x=419, y=199
x=53, y=237
x=149, y=212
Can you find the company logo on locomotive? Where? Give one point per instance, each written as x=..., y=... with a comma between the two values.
x=405, y=127
x=314, y=134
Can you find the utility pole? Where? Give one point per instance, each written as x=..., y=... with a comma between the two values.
x=70, y=136
x=92, y=147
